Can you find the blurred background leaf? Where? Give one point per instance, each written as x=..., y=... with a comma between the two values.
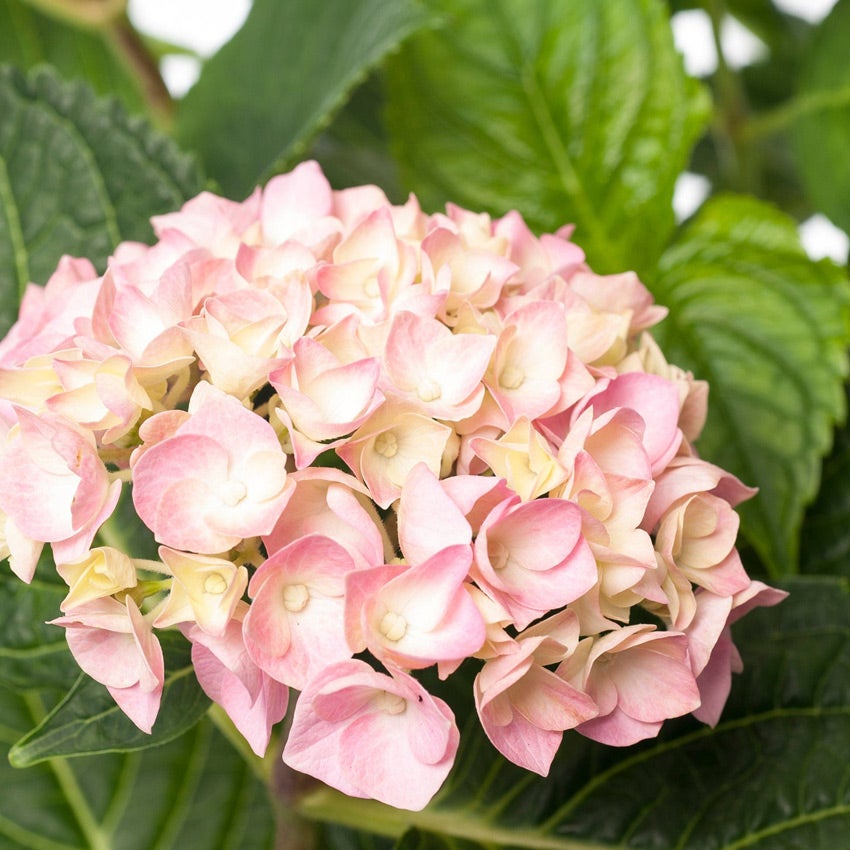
x=263, y=97
x=822, y=131
x=29, y=38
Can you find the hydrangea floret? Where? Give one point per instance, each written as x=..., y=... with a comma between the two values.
x=370, y=441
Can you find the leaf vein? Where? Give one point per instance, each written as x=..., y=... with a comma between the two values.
x=15, y=232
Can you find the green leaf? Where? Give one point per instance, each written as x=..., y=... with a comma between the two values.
x=822, y=132
x=29, y=38
x=569, y=111
x=195, y=792
x=825, y=539
x=267, y=92
x=87, y=720
x=77, y=176
x=768, y=777
x=125, y=531
x=354, y=150
x=768, y=328
x=33, y=654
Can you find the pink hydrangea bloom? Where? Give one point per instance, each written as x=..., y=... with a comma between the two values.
x=253, y=700
x=637, y=677
x=358, y=429
x=53, y=485
x=219, y=478
x=114, y=643
x=524, y=707
x=373, y=735
x=413, y=617
x=295, y=625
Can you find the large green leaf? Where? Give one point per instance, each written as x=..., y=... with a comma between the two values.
x=354, y=149
x=29, y=38
x=267, y=92
x=825, y=538
x=76, y=177
x=33, y=654
x=822, y=133
x=88, y=721
x=568, y=110
x=768, y=329
x=769, y=777
x=194, y=793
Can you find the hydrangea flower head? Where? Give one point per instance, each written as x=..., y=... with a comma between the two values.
x=369, y=441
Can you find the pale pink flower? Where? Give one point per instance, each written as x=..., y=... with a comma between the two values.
x=371, y=268
x=212, y=222
x=687, y=475
x=283, y=271
x=295, y=625
x=204, y=590
x=714, y=656
x=608, y=444
x=524, y=707
x=323, y=398
x=523, y=457
x=115, y=644
x=638, y=677
x=22, y=552
x=531, y=557
x=143, y=266
x=145, y=326
x=475, y=276
x=413, y=617
x=696, y=536
x=355, y=203
x=655, y=399
x=298, y=206
x=475, y=229
x=552, y=253
x=102, y=396
x=530, y=361
x=372, y=735
x=103, y=571
x=623, y=550
x=429, y=519
x=53, y=485
x=434, y=370
x=48, y=315
x=219, y=478
x=328, y=502
x=384, y=449
x=621, y=294
x=237, y=337
x=600, y=338
x=693, y=394
x=253, y=700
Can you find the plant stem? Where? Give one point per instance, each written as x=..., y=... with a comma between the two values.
x=733, y=152
x=332, y=806
x=127, y=42
x=260, y=767
x=782, y=117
